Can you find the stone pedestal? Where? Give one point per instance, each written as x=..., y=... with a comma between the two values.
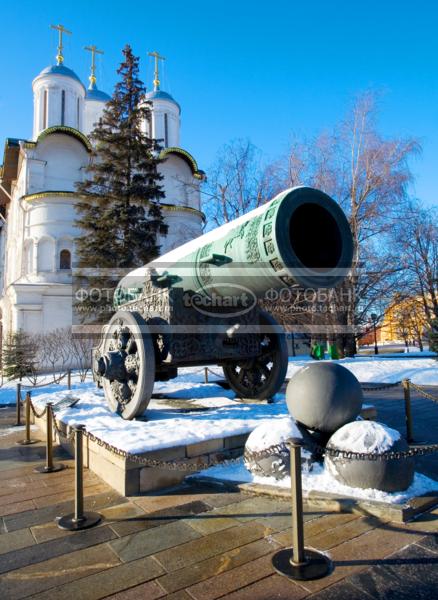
x=130, y=478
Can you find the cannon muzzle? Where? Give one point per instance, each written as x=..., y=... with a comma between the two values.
x=300, y=238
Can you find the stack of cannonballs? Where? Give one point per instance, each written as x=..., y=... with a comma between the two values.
x=324, y=402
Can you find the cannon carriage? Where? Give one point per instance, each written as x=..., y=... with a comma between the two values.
x=200, y=304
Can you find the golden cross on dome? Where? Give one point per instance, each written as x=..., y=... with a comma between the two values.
x=156, y=78
x=94, y=51
x=60, y=29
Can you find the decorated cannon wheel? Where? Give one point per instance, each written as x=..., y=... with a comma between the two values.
x=126, y=364
x=261, y=377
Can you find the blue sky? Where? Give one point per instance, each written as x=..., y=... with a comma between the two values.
x=253, y=69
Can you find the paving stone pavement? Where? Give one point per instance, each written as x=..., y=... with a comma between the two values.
x=197, y=542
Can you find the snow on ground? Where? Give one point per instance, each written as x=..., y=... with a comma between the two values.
x=320, y=480
x=359, y=436
x=4, y=431
x=395, y=349
x=382, y=369
x=8, y=389
x=190, y=381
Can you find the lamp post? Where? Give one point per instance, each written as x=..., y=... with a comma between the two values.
x=374, y=318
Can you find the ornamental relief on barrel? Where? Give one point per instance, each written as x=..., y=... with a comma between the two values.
x=251, y=239
x=204, y=269
x=237, y=233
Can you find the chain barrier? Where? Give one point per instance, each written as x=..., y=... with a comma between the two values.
x=173, y=465
x=203, y=369
x=36, y=413
x=181, y=465
x=378, y=388
x=423, y=392
x=416, y=387
x=57, y=380
x=214, y=372
x=67, y=435
x=46, y=383
x=374, y=456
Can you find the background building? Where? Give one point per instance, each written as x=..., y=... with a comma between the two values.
x=403, y=322
x=38, y=197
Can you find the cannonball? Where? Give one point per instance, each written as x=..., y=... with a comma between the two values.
x=369, y=437
x=324, y=396
x=270, y=433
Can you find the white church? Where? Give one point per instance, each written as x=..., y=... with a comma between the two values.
x=38, y=197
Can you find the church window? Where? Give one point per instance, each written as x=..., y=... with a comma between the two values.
x=65, y=259
x=78, y=111
x=45, y=109
x=166, y=131
x=62, y=107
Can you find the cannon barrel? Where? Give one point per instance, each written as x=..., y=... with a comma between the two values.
x=197, y=305
x=300, y=238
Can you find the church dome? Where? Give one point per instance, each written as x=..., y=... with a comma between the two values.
x=58, y=99
x=97, y=95
x=160, y=95
x=60, y=70
x=94, y=105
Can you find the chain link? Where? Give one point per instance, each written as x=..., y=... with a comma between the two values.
x=374, y=456
x=173, y=465
x=67, y=435
x=36, y=413
x=46, y=383
x=214, y=372
x=423, y=392
x=384, y=386
x=413, y=386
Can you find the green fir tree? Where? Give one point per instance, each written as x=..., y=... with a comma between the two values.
x=121, y=217
x=18, y=355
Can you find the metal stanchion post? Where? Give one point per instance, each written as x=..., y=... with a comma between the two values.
x=27, y=440
x=18, y=422
x=79, y=519
x=299, y=562
x=408, y=412
x=205, y=375
x=49, y=467
x=69, y=379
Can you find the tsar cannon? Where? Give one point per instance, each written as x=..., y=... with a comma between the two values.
x=200, y=303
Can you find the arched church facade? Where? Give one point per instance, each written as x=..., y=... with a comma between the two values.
x=38, y=197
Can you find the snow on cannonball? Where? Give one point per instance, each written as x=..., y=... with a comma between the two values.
x=369, y=437
x=270, y=433
x=324, y=396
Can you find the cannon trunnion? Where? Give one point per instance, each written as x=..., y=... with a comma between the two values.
x=199, y=304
